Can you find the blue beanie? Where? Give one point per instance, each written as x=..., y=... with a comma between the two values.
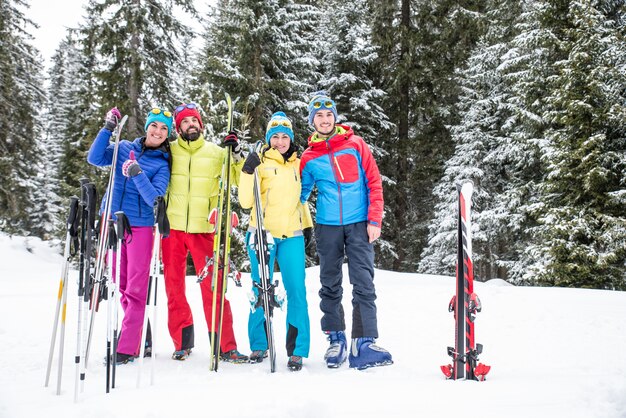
x=160, y=116
x=279, y=123
x=321, y=101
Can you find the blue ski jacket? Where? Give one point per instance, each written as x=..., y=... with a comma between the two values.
x=135, y=196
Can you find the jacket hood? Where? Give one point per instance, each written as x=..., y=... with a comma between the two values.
x=341, y=133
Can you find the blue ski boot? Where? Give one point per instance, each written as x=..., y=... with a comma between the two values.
x=364, y=354
x=337, y=352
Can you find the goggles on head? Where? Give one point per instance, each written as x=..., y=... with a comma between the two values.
x=157, y=111
x=275, y=123
x=327, y=104
x=182, y=107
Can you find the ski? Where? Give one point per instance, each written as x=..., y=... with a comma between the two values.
x=221, y=218
x=465, y=303
x=262, y=243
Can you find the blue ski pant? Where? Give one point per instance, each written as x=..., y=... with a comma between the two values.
x=289, y=253
x=333, y=243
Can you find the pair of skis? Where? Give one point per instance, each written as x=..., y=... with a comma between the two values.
x=465, y=303
x=261, y=242
x=220, y=265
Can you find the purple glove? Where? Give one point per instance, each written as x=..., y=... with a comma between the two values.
x=131, y=167
x=111, y=119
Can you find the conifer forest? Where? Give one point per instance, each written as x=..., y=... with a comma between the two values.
x=527, y=99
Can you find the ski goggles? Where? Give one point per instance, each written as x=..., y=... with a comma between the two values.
x=275, y=123
x=184, y=106
x=326, y=104
x=157, y=111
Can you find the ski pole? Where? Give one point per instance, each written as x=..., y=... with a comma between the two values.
x=72, y=231
x=160, y=225
x=87, y=207
x=121, y=227
x=112, y=246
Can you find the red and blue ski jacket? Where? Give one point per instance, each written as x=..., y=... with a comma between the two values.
x=135, y=196
x=347, y=179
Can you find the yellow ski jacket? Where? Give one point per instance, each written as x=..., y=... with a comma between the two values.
x=194, y=183
x=283, y=214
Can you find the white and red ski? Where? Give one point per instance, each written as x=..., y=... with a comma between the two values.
x=465, y=303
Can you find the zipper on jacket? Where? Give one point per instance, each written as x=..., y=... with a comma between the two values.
x=188, y=193
x=338, y=168
x=331, y=157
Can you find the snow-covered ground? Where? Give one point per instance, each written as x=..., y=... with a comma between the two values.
x=554, y=353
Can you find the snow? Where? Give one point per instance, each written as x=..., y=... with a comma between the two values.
x=554, y=353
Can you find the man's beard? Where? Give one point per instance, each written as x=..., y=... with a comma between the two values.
x=191, y=136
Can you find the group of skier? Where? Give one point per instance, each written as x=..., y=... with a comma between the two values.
x=187, y=172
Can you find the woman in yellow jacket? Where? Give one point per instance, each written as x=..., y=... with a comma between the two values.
x=285, y=218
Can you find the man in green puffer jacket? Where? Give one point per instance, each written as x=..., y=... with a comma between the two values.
x=191, y=195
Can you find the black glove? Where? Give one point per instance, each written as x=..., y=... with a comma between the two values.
x=252, y=162
x=308, y=237
x=232, y=140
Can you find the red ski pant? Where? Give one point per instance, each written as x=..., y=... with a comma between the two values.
x=175, y=248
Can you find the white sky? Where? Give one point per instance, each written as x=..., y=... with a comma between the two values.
x=54, y=17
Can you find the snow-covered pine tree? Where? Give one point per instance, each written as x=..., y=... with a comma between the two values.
x=483, y=154
x=581, y=227
x=72, y=120
x=420, y=46
x=21, y=98
x=257, y=51
x=135, y=42
x=348, y=60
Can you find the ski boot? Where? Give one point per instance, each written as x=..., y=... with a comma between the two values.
x=257, y=356
x=337, y=351
x=234, y=356
x=181, y=354
x=295, y=363
x=364, y=354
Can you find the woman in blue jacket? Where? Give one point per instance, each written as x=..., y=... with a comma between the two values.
x=142, y=173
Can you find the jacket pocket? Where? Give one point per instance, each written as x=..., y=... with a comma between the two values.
x=347, y=168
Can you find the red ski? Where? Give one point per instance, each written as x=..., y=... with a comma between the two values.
x=465, y=303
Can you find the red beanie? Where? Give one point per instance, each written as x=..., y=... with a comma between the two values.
x=188, y=112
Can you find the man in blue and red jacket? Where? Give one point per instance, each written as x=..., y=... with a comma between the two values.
x=348, y=220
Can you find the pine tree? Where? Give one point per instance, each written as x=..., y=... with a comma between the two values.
x=420, y=46
x=483, y=154
x=72, y=120
x=581, y=228
x=135, y=42
x=348, y=60
x=21, y=97
x=259, y=52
